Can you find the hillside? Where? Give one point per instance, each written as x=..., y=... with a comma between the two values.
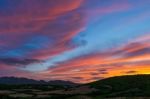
x=128, y=85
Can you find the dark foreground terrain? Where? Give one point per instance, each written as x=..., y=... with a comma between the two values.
x=121, y=87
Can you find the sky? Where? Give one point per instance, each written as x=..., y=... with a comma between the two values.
x=76, y=40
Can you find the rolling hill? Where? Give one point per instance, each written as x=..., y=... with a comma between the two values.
x=128, y=85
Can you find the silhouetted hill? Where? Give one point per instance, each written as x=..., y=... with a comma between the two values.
x=128, y=85
x=16, y=80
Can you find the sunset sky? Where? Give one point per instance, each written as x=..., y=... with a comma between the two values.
x=76, y=40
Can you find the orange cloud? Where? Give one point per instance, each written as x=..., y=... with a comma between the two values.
x=112, y=63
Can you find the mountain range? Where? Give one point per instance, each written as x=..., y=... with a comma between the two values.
x=21, y=80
